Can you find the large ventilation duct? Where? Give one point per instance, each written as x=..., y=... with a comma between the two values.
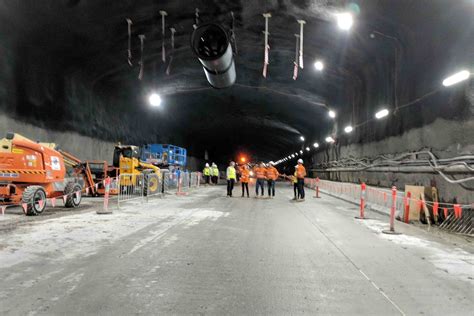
x=211, y=45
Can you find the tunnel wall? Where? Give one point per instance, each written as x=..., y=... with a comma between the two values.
x=83, y=147
x=445, y=138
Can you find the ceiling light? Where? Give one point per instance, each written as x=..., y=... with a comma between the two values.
x=344, y=21
x=348, y=129
x=319, y=65
x=154, y=99
x=315, y=145
x=381, y=113
x=307, y=148
x=302, y=138
x=329, y=139
x=292, y=156
x=457, y=77
x=296, y=154
x=332, y=114
x=301, y=151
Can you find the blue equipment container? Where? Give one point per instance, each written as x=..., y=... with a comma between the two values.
x=163, y=155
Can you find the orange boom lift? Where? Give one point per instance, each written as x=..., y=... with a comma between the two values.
x=31, y=172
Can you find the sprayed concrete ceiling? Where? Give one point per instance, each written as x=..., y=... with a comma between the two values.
x=64, y=66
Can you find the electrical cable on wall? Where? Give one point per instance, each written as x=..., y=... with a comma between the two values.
x=440, y=166
x=129, y=50
x=142, y=43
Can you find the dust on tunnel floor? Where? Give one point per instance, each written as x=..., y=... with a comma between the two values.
x=209, y=254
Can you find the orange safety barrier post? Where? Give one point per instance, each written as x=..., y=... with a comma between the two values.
x=180, y=180
x=363, y=188
x=106, y=210
x=392, y=213
x=407, y=207
x=316, y=188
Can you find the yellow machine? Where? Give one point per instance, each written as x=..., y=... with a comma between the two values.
x=127, y=160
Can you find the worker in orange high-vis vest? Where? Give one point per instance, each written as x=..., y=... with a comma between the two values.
x=300, y=174
x=260, y=174
x=244, y=179
x=272, y=175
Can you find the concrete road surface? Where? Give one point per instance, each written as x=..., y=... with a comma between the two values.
x=205, y=254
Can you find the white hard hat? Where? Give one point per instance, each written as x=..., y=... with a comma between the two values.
x=207, y=165
x=300, y=160
x=214, y=165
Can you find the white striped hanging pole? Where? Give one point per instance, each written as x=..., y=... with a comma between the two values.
x=142, y=43
x=129, y=51
x=295, y=67
x=168, y=69
x=163, y=51
x=301, y=22
x=196, y=18
x=267, y=47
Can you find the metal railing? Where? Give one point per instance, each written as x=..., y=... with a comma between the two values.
x=130, y=187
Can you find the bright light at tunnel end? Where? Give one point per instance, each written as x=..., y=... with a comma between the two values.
x=329, y=139
x=382, y=113
x=154, y=99
x=456, y=78
x=332, y=114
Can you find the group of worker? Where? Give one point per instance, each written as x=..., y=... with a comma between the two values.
x=262, y=172
x=211, y=174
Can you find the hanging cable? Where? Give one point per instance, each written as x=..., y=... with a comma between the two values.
x=142, y=42
x=168, y=69
x=232, y=33
x=295, y=68
x=129, y=50
x=267, y=47
x=302, y=23
x=163, y=50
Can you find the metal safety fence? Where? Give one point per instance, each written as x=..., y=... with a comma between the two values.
x=130, y=187
x=144, y=186
x=398, y=204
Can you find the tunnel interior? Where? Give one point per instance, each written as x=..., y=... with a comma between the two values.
x=65, y=68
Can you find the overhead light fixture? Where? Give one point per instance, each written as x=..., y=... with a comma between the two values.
x=319, y=65
x=302, y=138
x=456, y=78
x=381, y=113
x=315, y=145
x=301, y=151
x=154, y=99
x=292, y=156
x=329, y=139
x=348, y=129
x=344, y=21
x=332, y=114
x=296, y=154
x=307, y=148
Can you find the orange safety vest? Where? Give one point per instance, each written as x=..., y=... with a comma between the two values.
x=272, y=173
x=244, y=175
x=259, y=173
x=300, y=172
